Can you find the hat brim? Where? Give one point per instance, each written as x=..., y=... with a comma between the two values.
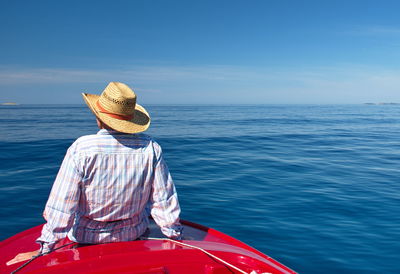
x=140, y=121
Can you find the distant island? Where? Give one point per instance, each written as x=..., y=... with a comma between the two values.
x=381, y=104
x=9, y=104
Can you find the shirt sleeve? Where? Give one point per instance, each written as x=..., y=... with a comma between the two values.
x=165, y=207
x=62, y=203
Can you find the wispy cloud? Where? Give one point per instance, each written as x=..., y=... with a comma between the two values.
x=47, y=75
x=166, y=73
x=377, y=30
x=301, y=75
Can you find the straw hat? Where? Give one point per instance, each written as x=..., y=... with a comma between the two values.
x=116, y=107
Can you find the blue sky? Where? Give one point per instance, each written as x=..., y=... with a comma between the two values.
x=269, y=52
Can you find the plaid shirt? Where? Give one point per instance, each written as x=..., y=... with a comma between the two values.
x=105, y=189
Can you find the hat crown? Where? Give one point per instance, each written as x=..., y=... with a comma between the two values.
x=118, y=98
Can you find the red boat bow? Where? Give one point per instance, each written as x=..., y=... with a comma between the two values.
x=203, y=250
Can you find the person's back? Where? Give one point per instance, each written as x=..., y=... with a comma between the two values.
x=112, y=177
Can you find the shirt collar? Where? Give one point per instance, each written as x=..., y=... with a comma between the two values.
x=107, y=132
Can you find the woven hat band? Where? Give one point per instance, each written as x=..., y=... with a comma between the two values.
x=114, y=115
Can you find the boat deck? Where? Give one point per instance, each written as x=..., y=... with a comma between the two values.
x=149, y=254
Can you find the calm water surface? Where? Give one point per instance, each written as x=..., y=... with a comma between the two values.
x=315, y=187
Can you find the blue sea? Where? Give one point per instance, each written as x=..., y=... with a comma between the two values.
x=316, y=187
